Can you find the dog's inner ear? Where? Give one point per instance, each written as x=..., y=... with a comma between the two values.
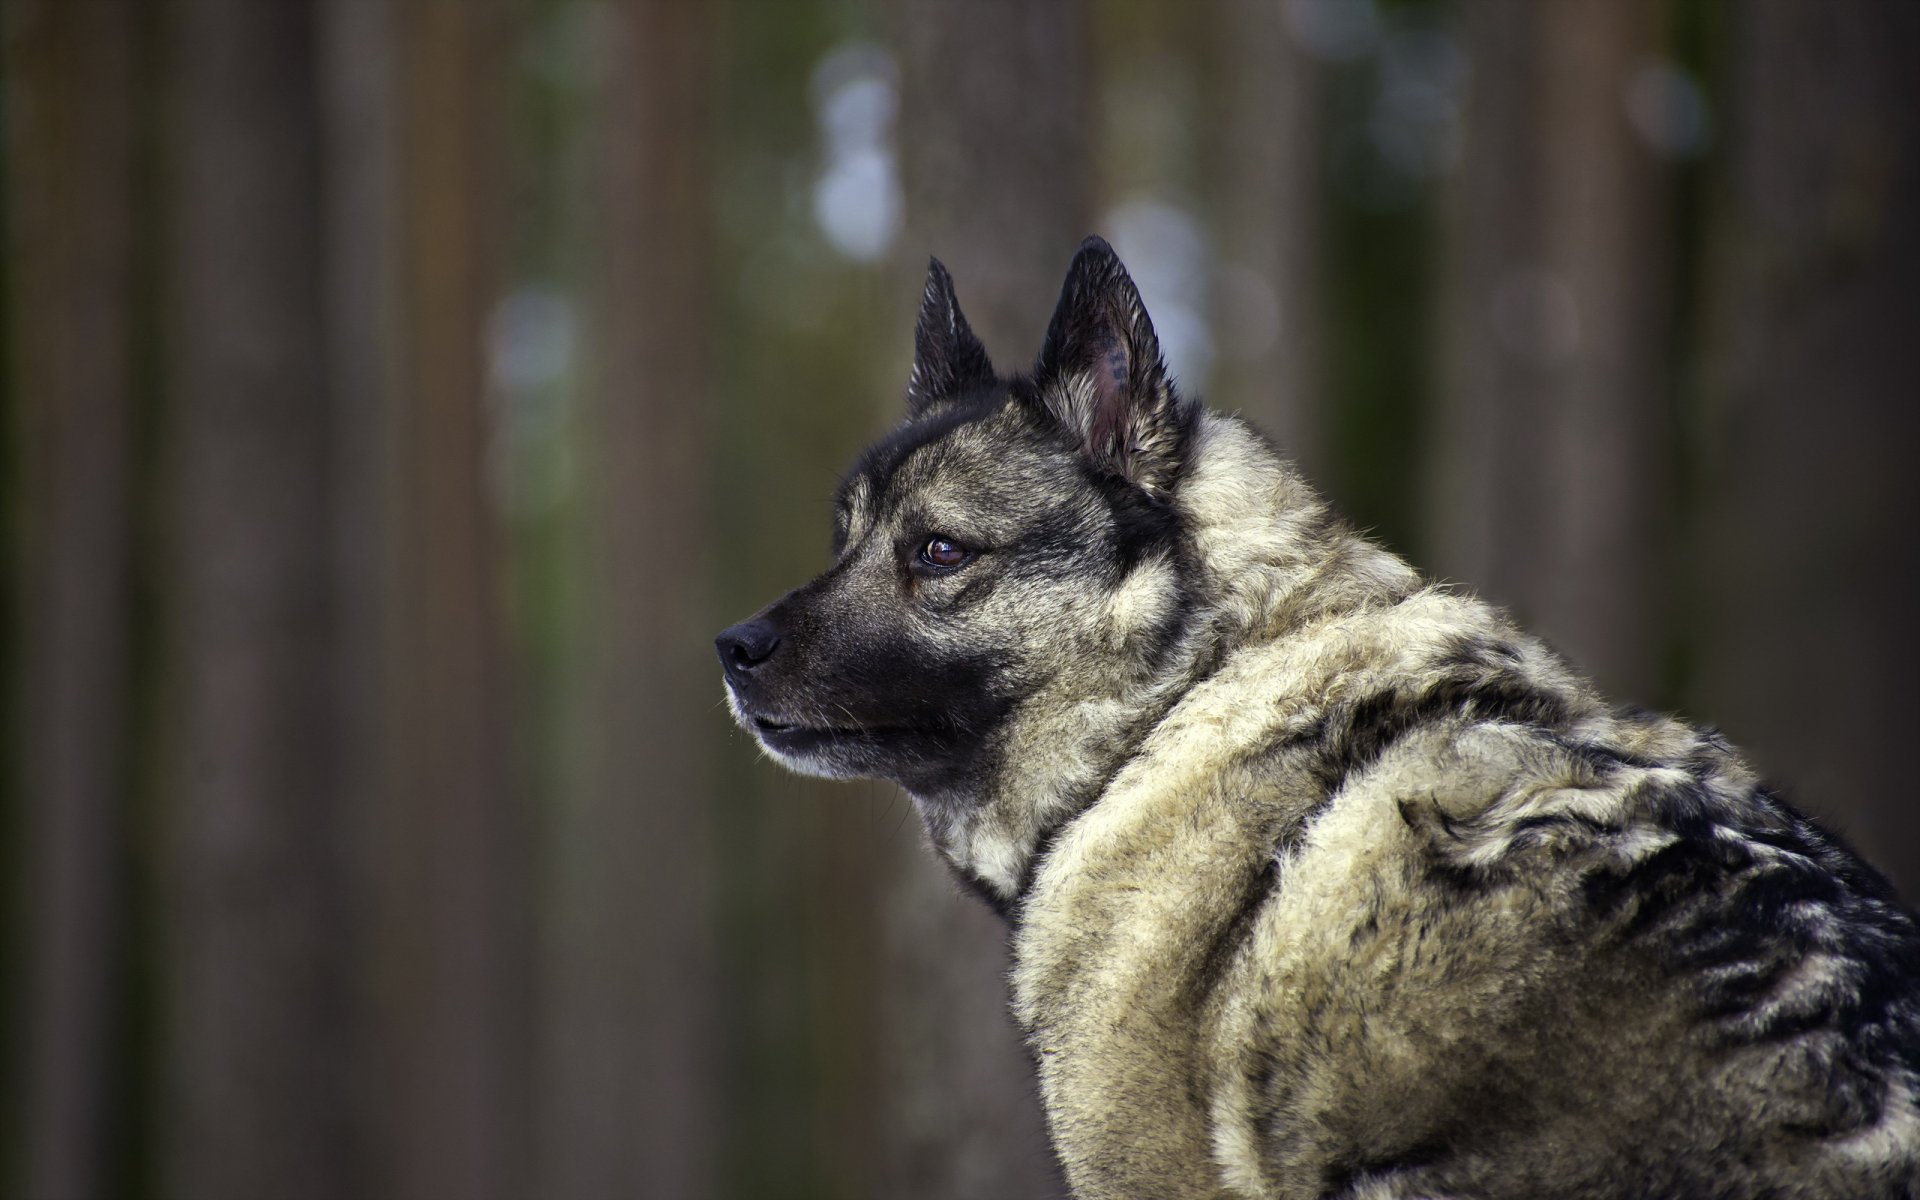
x=1101, y=376
x=948, y=360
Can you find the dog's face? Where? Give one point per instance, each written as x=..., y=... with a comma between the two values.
x=1013, y=539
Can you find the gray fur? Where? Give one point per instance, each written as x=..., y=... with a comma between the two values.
x=1325, y=881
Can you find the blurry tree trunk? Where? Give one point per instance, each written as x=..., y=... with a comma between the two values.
x=1807, y=556
x=72, y=68
x=254, y=1088
x=996, y=139
x=1550, y=475
x=628, y=1064
x=453, y=957
x=1265, y=158
x=358, y=80
x=997, y=154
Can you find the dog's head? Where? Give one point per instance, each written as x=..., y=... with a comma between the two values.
x=1005, y=562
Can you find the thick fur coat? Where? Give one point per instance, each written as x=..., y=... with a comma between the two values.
x=1324, y=881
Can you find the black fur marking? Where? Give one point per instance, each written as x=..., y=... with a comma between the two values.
x=1351, y=737
x=1601, y=758
x=1648, y=889
x=1428, y=819
x=1340, y=1176
x=1057, y=541
x=1143, y=523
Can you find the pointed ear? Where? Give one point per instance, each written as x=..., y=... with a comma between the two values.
x=948, y=360
x=1101, y=376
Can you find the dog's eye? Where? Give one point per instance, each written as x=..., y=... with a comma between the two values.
x=944, y=552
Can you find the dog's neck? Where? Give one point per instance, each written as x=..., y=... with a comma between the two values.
x=1260, y=542
x=1274, y=554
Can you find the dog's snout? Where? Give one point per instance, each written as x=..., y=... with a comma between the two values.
x=747, y=645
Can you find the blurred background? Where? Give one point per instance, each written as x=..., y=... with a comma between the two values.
x=398, y=395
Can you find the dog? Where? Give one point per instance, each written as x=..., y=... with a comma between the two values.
x=1323, y=880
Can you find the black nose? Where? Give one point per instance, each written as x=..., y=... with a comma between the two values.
x=747, y=645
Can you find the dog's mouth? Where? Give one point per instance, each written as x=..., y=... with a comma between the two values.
x=793, y=734
x=767, y=727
